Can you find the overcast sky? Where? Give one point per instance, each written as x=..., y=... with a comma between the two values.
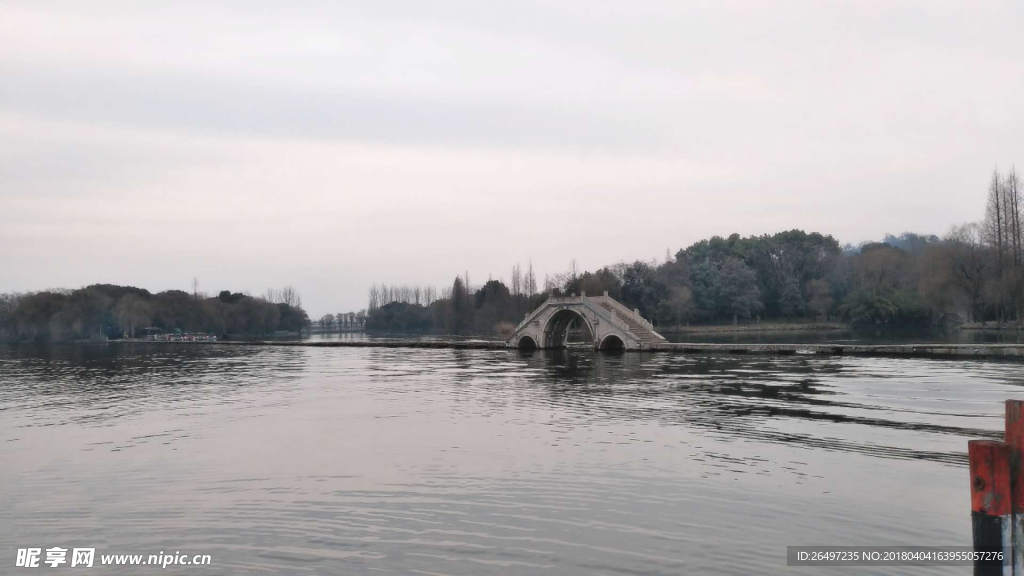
x=331, y=145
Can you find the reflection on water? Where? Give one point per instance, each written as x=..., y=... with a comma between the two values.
x=353, y=460
x=837, y=336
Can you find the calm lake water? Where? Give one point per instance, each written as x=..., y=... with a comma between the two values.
x=287, y=460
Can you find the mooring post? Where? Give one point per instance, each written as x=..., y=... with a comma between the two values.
x=990, y=505
x=1015, y=440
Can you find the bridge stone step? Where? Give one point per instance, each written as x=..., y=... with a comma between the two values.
x=640, y=332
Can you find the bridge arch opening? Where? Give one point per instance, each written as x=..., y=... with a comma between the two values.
x=612, y=343
x=526, y=343
x=566, y=327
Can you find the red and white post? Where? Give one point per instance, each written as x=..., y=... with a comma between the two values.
x=1015, y=440
x=991, y=507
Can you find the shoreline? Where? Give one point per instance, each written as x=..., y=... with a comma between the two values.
x=937, y=351
x=978, y=327
x=760, y=327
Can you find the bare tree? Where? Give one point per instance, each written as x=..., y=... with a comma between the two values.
x=1012, y=193
x=374, y=298
x=327, y=322
x=549, y=284
x=195, y=288
x=968, y=263
x=517, y=284
x=994, y=219
x=531, y=280
x=517, y=281
x=290, y=296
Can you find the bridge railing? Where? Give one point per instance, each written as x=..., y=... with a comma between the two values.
x=621, y=309
x=530, y=316
x=610, y=318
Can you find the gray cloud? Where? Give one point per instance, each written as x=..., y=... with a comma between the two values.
x=240, y=109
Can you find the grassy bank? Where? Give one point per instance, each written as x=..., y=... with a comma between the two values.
x=993, y=327
x=753, y=327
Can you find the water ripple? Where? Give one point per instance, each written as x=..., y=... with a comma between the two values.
x=345, y=460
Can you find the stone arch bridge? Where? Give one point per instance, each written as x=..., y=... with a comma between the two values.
x=600, y=319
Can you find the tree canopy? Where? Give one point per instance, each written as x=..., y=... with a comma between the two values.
x=109, y=311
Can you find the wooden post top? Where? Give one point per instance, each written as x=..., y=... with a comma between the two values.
x=1015, y=439
x=990, y=477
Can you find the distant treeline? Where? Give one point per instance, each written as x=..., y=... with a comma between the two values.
x=494, y=307
x=342, y=321
x=104, y=310
x=974, y=273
